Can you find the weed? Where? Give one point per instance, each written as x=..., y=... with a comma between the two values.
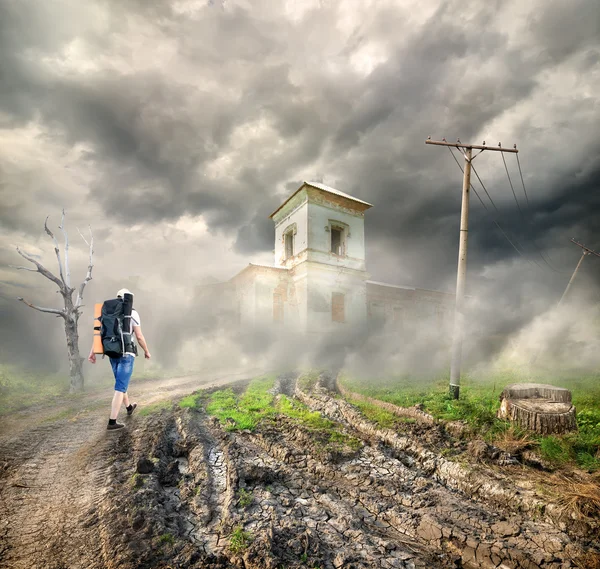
x=245, y=498
x=155, y=408
x=136, y=481
x=166, y=539
x=239, y=540
x=579, y=499
x=511, y=439
x=190, y=402
x=555, y=450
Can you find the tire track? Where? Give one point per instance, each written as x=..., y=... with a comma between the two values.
x=54, y=507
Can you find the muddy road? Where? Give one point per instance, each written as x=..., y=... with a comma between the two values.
x=175, y=489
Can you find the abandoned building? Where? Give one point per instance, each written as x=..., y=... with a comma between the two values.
x=319, y=280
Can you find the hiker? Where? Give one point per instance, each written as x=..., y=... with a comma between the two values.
x=123, y=368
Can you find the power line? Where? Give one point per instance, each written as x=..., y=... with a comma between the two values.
x=522, y=182
x=520, y=212
x=488, y=211
x=528, y=206
x=512, y=188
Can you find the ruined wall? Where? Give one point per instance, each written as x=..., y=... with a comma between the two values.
x=322, y=282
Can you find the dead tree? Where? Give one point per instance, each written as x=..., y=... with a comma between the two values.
x=72, y=310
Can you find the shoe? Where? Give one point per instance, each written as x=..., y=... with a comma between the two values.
x=130, y=411
x=114, y=427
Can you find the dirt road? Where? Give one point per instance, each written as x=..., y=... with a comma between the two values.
x=53, y=473
x=175, y=489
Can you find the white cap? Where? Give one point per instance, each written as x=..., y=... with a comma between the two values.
x=123, y=292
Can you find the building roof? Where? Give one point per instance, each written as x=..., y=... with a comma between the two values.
x=448, y=294
x=391, y=285
x=251, y=266
x=324, y=188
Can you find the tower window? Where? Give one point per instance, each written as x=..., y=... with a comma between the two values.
x=289, y=244
x=336, y=241
x=337, y=307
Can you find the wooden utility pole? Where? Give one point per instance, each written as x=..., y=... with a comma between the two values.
x=584, y=251
x=461, y=276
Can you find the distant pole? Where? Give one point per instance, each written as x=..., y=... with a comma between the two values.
x=584, y=251
x=583, y=254
x=461, y=275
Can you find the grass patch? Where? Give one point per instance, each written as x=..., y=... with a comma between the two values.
x=22, y=388
x=136, y=481
x=191, y=401
x=326, y=432
x=155, y=408
x=245, y=498
x=243, y=412
x=239, y=540
x=308, y=380
x=382, y=418
x=479, y=403
x=166, y=539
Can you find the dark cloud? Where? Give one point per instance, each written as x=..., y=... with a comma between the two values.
x=155, y=111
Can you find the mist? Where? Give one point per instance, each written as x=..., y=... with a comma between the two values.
x=174, y=129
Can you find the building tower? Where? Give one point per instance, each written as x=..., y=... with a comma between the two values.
x=320, y=240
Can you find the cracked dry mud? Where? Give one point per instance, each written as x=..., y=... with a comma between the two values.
x=172, y=490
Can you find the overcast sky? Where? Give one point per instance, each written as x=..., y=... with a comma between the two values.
x=174, y=129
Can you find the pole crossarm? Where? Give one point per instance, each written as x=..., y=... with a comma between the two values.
x=587, y=249
x=459, y=144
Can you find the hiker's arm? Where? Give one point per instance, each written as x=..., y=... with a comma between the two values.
x=137, y=330
x=92, y=356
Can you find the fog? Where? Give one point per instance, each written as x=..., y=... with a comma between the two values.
x=173, y=130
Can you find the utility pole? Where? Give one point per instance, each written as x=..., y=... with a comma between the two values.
x=584, y=251
x=461, y=276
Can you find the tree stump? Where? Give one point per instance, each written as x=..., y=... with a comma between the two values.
x=537, y=407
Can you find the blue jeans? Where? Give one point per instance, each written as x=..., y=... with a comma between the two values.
x=122, y=369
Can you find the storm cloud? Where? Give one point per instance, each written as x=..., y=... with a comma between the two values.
x=174, y=129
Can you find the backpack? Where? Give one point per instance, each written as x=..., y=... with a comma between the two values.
x=115, y=327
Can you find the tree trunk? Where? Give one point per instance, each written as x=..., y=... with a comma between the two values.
x=75, y=360
x=71, y=312
x=544, y=409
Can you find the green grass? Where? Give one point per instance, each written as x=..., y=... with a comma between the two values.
x=166, y=539
x=308, y=379
x=191, y=401
x=245, y=498
x=239, y=540
x=22, y=388
x=479, y=403
x=246, y=411
x=155, y=408
x=136, y=481
x=382, y=418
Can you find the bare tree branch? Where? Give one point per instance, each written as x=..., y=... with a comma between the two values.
x=57, y=251
x=23, y=268
x=41, y=269
x=88, y=277
x=49, y=310
x=62, y=228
